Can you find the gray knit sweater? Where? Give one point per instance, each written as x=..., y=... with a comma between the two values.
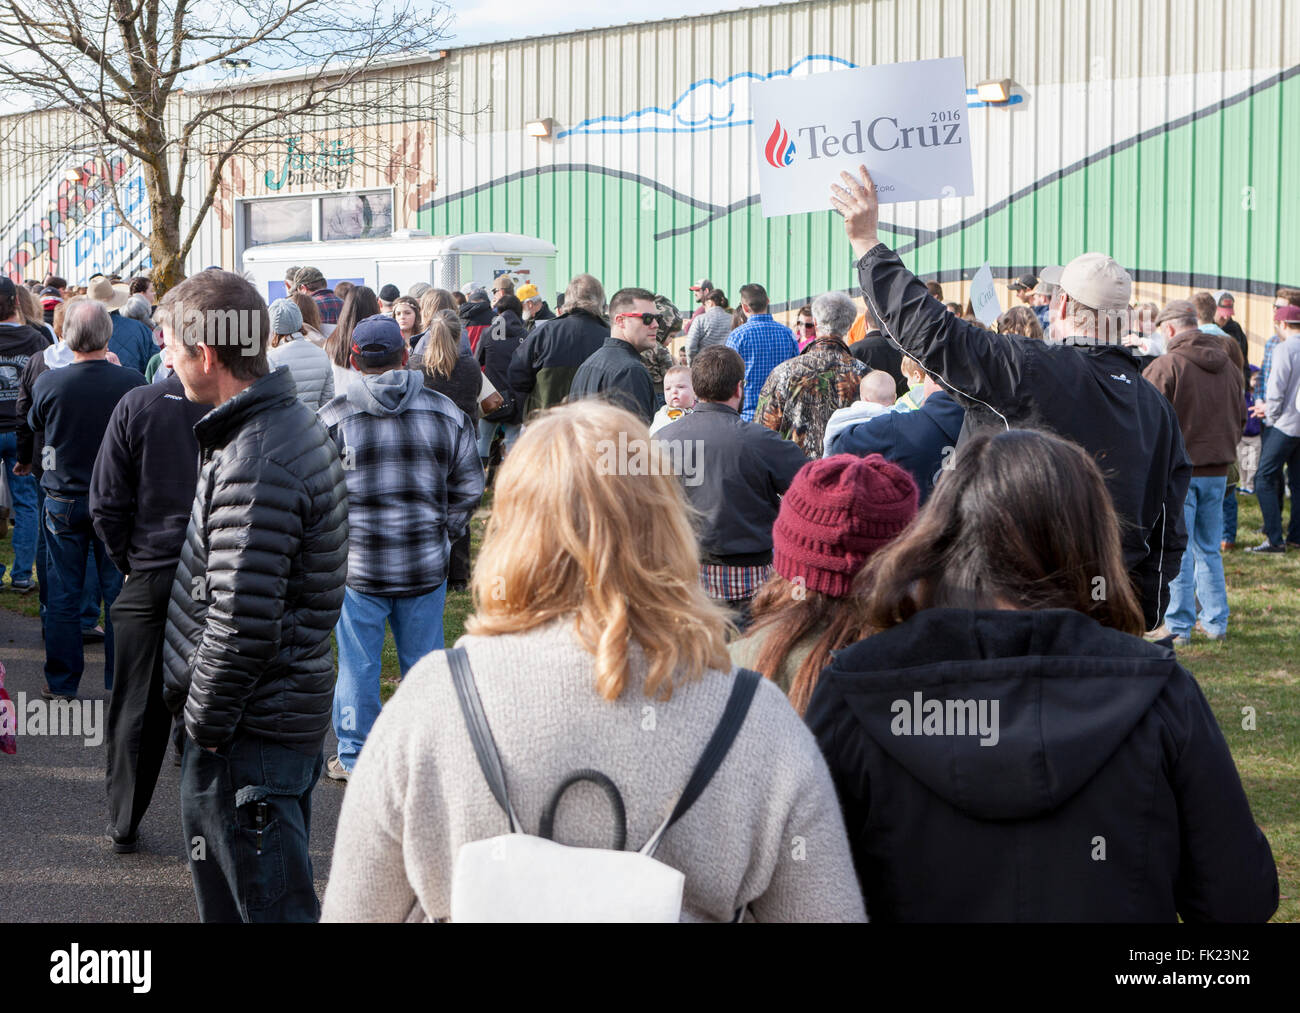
x=766, y=833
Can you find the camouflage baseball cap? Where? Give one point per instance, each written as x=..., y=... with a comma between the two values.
x=670, y=318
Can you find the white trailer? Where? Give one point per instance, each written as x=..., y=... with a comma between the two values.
x=410, y=256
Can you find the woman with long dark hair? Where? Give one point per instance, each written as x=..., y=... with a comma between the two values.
x=361, y=302
x=1007, y=747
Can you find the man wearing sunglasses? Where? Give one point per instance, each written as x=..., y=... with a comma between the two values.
x=616, y=371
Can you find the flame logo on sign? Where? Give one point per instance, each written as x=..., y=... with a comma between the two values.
x=779, y=150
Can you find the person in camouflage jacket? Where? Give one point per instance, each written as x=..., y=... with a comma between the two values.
x=802, y=393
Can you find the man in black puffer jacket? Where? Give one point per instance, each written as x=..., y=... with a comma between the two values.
x=257, y=591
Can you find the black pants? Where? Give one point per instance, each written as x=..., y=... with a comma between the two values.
x=458, y=565
x=139, y=724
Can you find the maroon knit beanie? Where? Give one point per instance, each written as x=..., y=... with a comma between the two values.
x=836, y=514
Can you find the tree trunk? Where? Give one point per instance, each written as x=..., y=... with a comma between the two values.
x=165, y=231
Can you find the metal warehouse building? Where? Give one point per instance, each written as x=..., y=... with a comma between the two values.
x=1163, y=132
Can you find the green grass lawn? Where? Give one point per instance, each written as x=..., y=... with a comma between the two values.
x=1258, y=666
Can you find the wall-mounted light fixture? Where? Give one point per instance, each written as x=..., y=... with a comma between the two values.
x=235, y=63
x=994, y=92
x=73, y=175
x=538, y=128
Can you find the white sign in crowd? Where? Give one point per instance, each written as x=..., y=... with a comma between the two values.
x=907, y=122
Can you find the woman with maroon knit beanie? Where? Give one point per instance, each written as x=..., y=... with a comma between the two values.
x=838, y=512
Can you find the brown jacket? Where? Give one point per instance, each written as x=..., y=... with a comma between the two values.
x=1203, y=383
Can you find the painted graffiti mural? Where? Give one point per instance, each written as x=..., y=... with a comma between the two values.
x=71, y=227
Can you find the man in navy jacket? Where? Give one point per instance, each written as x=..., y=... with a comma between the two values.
x=922, y=441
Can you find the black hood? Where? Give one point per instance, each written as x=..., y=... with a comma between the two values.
x=1067, y=691
x=475, y=313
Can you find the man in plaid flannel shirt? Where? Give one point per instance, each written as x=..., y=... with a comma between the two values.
x=410, y=458
x=311, y=281
x=762, y=343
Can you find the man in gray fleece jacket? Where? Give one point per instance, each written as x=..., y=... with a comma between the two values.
x=410, y=458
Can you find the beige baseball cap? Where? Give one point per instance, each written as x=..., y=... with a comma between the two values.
x=1097, y=281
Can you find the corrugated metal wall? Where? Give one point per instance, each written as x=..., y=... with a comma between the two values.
x=1136, y=135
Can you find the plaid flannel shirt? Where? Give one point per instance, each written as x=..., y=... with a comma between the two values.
x=329, y=305
x=763, y=344
x=732, y=583
x=414, y=480
x=1266, y=366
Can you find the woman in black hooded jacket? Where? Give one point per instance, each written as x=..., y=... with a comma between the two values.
x=1006, y=748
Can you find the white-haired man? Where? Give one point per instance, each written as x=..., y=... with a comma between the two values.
x=801, y=394
x=72, y=407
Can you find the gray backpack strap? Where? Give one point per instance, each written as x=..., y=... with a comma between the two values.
x=485, y=747
x=733, y=716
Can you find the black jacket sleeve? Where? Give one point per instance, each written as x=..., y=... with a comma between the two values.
x=251, y=551
x=1168, y=539
x=1227, y=873
x=113, y=485
x=976, y=365
x=522, y=375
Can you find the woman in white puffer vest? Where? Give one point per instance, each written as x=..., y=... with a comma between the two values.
x=309, y=364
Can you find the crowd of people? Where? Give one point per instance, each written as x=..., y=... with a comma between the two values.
x=893, y=514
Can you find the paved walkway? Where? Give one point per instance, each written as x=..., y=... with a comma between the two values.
x=56, y=864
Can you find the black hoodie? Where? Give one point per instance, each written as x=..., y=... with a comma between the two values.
x=1099, y=789
x=18, y=343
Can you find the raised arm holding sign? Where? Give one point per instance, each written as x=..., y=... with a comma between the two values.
x=1085, y=387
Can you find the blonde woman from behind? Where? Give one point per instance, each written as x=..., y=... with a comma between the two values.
x=593, y=646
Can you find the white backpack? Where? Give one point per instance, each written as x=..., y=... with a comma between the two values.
x=517, y=877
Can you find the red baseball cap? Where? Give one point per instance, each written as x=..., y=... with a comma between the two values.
x=1286, y=315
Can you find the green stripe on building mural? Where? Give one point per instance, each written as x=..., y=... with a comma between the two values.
x=1212, y=200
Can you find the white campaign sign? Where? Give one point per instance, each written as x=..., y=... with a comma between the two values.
x=984, y=297
x=907, y=122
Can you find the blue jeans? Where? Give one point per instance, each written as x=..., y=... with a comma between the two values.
x=26, y=517
x=487, y=432
x=90, y=587
x=68, y=538
x=1201, y=576
x=417, y=631
x=235, y=880
x=1230, y=514
x=1276, y=451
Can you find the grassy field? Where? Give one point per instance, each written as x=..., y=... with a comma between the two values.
x=1257, y=667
